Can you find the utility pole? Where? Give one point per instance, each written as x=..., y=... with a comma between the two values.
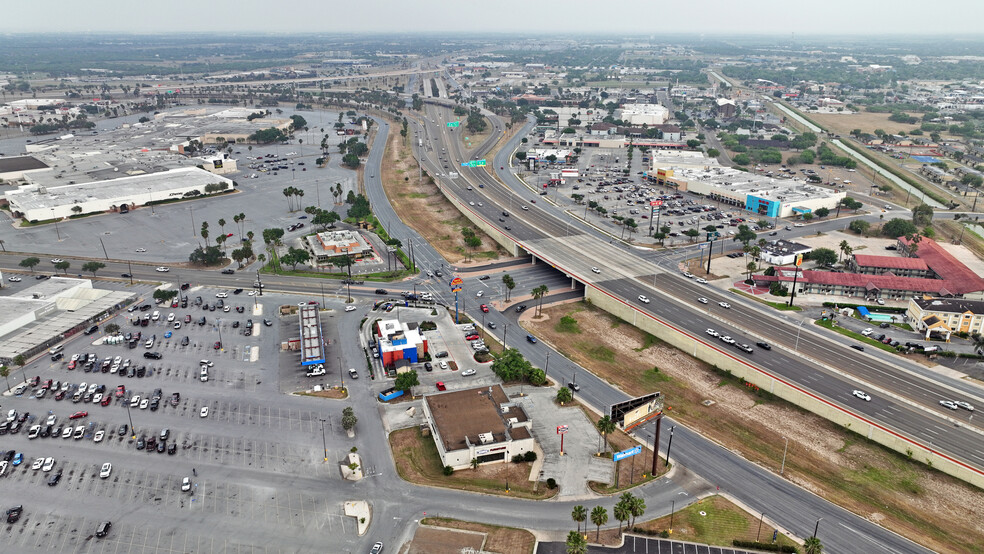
x=669, y=445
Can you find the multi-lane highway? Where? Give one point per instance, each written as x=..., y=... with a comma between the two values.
x=906, y=398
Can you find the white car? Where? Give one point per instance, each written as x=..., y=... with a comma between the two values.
x=724, y=305
x=867, y=331
x=185, y=484
x=468, y=372
x=135, y=401
x=37, y=464
x=713, y=333
x=643, y=299
x=107, y=468
x=99, y=436
x=948, y=404
x=3, y=467
x=204, y=412
x=479, y=294
x=163, y=269
x=727, y=340
x=965, y=405
x=67, y=433
x=140, y=250
x=595, y=270
x=251, y=293
x=797, y=225
x=92, y=388
x=97, y=398
x=14, y=279
x=862, y=395
x=48, y=464
x=222, y=295
x=349, y=308
x=144, y=403
x=56, y=260
x=170, y=317
x=443, y=364
x=702, y=281
x=702, y=300
x=688, y=275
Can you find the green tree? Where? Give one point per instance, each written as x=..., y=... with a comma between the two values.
x=510, y=365
x=406, y=380
x=295, y=256
x=92, y=267
x=823, y=256
x=348, y=418
x=822, y=212
x=599, y=516
x=605, y=426
x=579, y=515
x=692, y=233
x=222, y=223
x=860, y=227
x=30, y=263
x=325, y=219
x=741, y=159
x=63, y=265
x=922, y=215
x=112, y=329
x=341, y=262
x=564, y=395
x=713, y=152
x=898, y=227
x=297, y=122
x=745, y=235
x=575, y=543
x=272, y=236
x=538, y=294
x=164, y=295
x=4, y=372
x=812, y=546
x=209, y=255
x=204, y=231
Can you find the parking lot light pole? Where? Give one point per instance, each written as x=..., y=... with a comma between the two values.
x=784, y=450
x=133, y=432
x=323, y=439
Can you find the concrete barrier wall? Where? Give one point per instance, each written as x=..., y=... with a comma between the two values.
x=708, y=351
x=495, y=234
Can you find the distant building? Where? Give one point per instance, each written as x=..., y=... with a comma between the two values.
x=638, y=114
x=13, y=168
x=725, y=107
x=783, y=252
x=894, y=265
x=477, y=424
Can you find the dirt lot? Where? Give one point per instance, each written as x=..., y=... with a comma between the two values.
x=497, y=539
x=928, y=507
x=417, y=461
x=422, y=206
x=843, y=124
x=429, y=540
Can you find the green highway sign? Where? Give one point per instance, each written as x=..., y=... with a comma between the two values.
x=454, y=123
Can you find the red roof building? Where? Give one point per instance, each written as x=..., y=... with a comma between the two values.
x=878, y=265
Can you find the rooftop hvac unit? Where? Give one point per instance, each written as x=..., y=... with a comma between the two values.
x=485, y=438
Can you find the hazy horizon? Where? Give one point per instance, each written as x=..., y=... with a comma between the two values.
x=711, y=17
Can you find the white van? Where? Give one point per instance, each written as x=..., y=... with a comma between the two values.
x=56, y=349
x=316, y=372
x=204, y=375
x=156, y=316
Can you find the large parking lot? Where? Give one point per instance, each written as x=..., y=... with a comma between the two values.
x=253, y=460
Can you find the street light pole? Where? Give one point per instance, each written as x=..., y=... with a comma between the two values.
x=784, y=450
x=133, y=432
x=669, y=445
x=57, y=232
x=815, y=529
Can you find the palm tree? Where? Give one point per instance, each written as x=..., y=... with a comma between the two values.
x=599, y=516
x=812, y=546
x=622, y=513
x=510, y=284
x=576, y=543
x=222, y=223
x=538, y=294
x=637, y=507
x=579, y=515
x=287, y=193
x=605, y=426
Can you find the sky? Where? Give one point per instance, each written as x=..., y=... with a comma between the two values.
x=647, y=17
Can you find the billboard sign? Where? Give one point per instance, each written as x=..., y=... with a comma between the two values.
x=634, y=412
x=627, y=453
x=456, y=281
x=561, y=429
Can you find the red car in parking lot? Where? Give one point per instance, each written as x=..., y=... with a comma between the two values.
x=105, y=401
x=484, y=308
x=78, y=415
x=440, y=386
x=473, y=336
x=120, y=391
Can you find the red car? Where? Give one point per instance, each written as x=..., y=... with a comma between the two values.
x=484, y=308
x=440, y=386
x=78, y=415
x=35, y=380
x=217, y=345
x=174, y=303
x=60, y=395
x=473, y=336
x=71, y=364
x=105, y=401
x=188, y=319
x=120, y=391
